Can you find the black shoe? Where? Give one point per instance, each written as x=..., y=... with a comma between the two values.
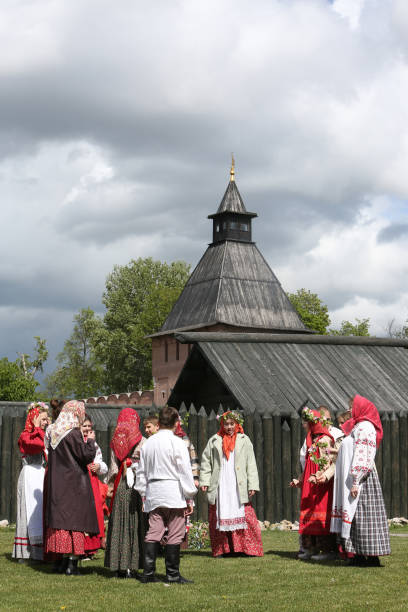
x=145, y=579
x=358, y=561
x=149, y=562
x=72, y=568
x=180, y=580
x=172, y=558
x=373, y=562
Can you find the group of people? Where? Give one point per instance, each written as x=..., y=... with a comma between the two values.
x=342, y=507
x=66, y=492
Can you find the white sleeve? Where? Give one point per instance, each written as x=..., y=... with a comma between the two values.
x=364, y=451
x=103, y=468
x=141, y=483
x=182, y=459
x=302, y=455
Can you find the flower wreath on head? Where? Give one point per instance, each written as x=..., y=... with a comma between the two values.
x=41, y=405
x=308, y=415
x=232, y=414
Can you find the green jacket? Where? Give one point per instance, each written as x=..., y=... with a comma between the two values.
x=245, y=467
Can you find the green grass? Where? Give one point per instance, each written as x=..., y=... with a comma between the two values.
x=275, y=582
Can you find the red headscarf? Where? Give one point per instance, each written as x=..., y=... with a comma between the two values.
x=364, y=410
x=33, y=412
x=179, y=431
x=316, y=429
x=228, y=442
x=127, y=433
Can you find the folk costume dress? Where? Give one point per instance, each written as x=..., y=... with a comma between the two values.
x=316, y=498
x=228, y=469
x=124, y=540
x=70, y=512
x=28, y=541
x=361, y=522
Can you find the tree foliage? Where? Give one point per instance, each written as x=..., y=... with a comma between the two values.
x=359, y=328
x=80, y=373
x=15, y=386
x=310, y=308
x=138, y=298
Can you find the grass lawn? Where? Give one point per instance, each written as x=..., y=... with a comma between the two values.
x=276, y=582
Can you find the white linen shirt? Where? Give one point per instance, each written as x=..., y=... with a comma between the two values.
x=163, y=476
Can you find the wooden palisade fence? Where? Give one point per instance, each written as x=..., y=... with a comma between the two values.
x=276, y=439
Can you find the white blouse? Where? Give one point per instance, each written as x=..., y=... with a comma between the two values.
x=364, y=437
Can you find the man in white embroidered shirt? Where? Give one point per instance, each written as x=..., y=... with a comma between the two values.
x=165, y=481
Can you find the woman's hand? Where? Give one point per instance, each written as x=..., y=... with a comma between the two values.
x=354, y=491
x=196, y=482
x=95, y=467
x=251, y=493
x=312, y=479
x=321, y=478
x=188, y=510
x=91, y=435
x=37, y=421
x=295, y=483
x=204, y=489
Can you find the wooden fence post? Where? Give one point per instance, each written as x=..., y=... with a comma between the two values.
x=202, y=438
x=16, y=465
x=386, y=463
x=296, y=442
x=5, y=487
x=395, y=466
x=403, y=458
x=267, y=466
x=258, y=449
x=277, y=465
x=193, y=435
x=286, y=472
x=213, y=426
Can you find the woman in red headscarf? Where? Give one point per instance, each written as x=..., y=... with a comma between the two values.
x=229, y=476
x=317, y=494
x=28, y=541
x=359, y=516
x=125, y=536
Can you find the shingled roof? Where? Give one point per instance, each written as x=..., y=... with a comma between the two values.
x=277, y=373
x=232, y=283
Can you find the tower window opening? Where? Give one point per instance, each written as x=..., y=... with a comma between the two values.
x=166, y=352
x=243, y=227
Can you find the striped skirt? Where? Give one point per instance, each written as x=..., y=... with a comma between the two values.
x=369, y=534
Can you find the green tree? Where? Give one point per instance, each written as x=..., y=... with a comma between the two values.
x=359, y=328
x=15, y=386
x=310, y=308
x=80, y=373
x=138, y=298
x=30, y=366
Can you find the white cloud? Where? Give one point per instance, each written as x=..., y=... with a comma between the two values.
x=116, y=125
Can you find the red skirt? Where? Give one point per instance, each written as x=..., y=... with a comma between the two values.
x=247, y=541
x=93, y=542
x=64, y=542
x=315, y=504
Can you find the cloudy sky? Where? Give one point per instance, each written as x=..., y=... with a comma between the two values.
x=117, y=120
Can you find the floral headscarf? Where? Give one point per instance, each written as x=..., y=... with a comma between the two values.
x=34, y=410
x=70, y=417
x=127, y=433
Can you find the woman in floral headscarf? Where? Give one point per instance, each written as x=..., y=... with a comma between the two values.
x=229, y=476
x=359, y=516
x=28, y=542
x=70, y=512
x=125, y=536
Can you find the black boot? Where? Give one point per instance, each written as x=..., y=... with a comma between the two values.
x=172, y=557
x=373, y=562
x=149, y=564
x=72, y=568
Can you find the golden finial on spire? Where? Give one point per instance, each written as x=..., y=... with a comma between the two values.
x=232, y=171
